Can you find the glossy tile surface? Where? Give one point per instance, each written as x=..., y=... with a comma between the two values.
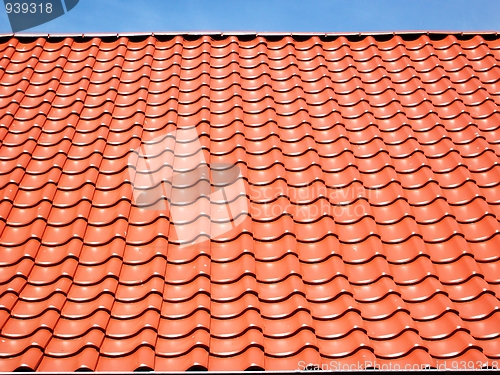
x=363, y=223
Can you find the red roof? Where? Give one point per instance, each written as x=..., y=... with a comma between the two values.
x=246, y=202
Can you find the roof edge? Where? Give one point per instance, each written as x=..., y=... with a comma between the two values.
x=248, y=33
x=427, y=371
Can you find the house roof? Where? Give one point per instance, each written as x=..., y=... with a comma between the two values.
x=233, y=202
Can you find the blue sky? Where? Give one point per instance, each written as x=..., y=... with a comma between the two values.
x=271, y=15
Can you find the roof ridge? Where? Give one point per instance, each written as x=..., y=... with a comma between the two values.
x=252, y=33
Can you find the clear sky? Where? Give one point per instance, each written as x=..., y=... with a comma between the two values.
x=271, y=15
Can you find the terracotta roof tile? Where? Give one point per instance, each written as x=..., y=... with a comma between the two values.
x=174, y=203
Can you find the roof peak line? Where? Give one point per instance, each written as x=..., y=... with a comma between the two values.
x=248, y=34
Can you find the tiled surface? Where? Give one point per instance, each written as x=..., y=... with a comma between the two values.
x=395, y=142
